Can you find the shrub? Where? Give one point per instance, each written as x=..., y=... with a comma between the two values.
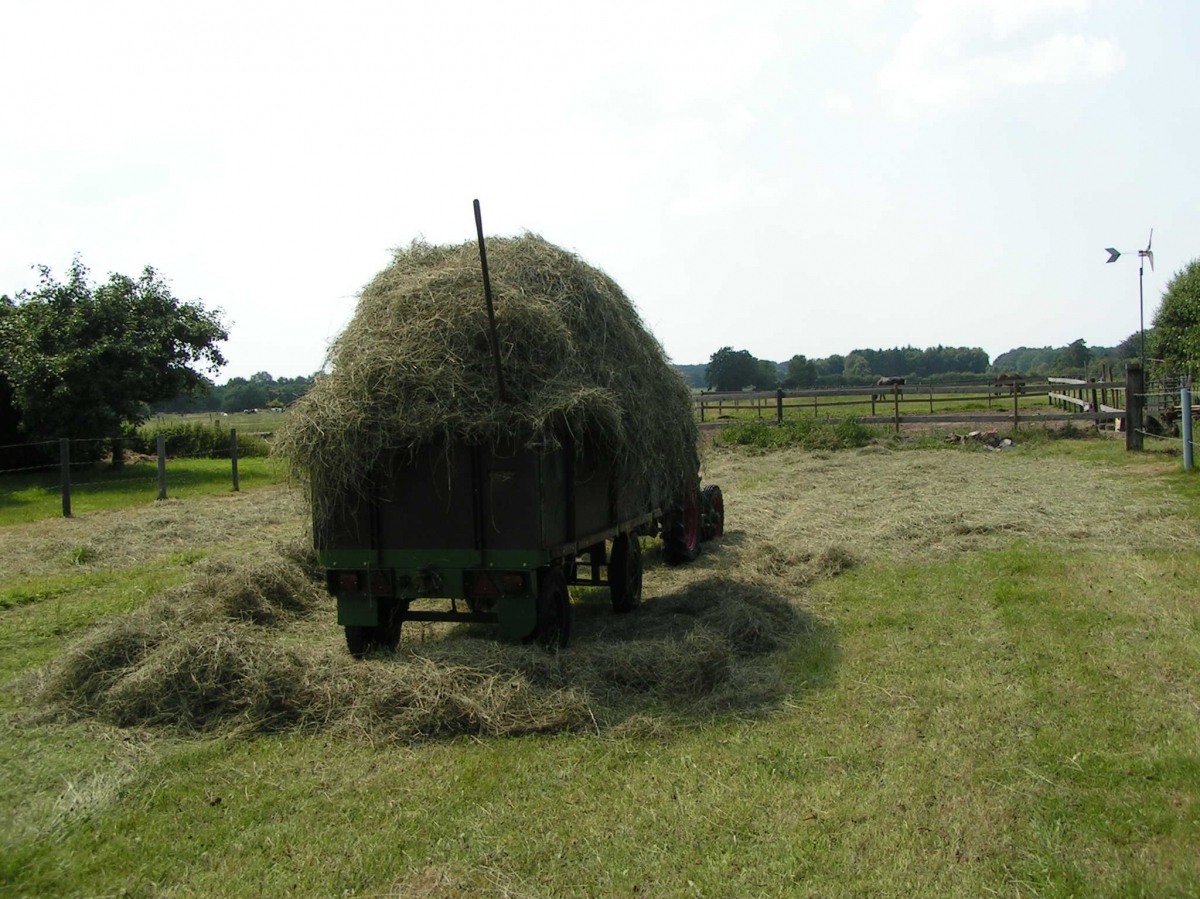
x=195, y=439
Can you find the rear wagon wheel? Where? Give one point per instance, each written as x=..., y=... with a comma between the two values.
x=714, y=513
x=625, y=573
x=681, y=527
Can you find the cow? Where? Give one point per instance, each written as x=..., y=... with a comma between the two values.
x=887, y=382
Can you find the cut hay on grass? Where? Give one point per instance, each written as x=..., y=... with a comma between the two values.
x=115, y=539
x=414, y=368
x=250, y=647
x=803, y=511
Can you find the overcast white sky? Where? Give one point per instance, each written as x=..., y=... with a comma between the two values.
x=783, y=177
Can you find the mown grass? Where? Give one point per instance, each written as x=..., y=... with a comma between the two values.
x=33, y=496
x=1019, y=719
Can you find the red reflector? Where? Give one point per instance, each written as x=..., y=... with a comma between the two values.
x=348, y=581
x=483, y=585
x=513, y=583
x=380, y=583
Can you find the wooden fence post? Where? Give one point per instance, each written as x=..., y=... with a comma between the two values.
x=779, y=406
x=64, y=463
x=1135, y=387
x=162, y=466
x=896, y=405
x=1016, y=407
x=233, y=456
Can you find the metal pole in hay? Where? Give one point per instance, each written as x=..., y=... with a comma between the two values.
x=487, y=294
x=162, y=466
x=896, y=405
x=233, y=456
x=64, y=464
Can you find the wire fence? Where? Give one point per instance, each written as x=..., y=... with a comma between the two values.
x=70, y=466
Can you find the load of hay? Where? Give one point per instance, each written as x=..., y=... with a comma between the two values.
x=414, y=368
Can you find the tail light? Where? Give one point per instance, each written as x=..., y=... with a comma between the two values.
x=348, y=582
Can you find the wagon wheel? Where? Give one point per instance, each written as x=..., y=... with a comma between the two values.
x=553, y=610
x=681, y=527
x=625, y=573
x=364, y=639
x=714, y=513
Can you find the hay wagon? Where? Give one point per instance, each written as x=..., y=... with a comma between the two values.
x=496, y=535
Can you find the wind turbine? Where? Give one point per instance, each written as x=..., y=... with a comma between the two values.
x=1113, y=256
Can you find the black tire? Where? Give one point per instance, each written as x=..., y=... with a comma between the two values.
x=553, y=610
x=681, y=528
x=714, y=513
x=625, y=573
x=362, y=640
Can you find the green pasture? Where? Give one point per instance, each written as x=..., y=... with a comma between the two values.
x=1002, y=703
x=31, y=496
x=246, y=423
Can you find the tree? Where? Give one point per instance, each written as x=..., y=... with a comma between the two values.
x=801, y=372
x=767, y=376
x=83, y=360
x=730, y=369
x=1177, y=321
x=1074, y=359
x=857, y=369
x=1131, y=346
x=241, y=394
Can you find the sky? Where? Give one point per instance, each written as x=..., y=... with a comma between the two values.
x=799, y=177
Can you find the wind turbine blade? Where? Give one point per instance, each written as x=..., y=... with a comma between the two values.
x=1150, y=256
x=1148, y=243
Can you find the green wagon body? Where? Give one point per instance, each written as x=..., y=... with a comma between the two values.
x=482, y=528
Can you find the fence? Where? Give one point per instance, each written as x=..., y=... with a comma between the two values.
x=1014, y=401
x=91, y=451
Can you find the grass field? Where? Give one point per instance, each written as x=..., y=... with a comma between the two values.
x=995, y=691
x=246, y=423
x=36, y=495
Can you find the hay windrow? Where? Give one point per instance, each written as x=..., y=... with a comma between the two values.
x=251, y=648
x=413, y=368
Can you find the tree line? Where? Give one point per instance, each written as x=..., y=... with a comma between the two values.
x=730, y=369
x=81, y=359
x=259, y=391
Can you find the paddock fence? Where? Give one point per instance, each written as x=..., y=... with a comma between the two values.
x=83, y=463
x=1010, y=402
